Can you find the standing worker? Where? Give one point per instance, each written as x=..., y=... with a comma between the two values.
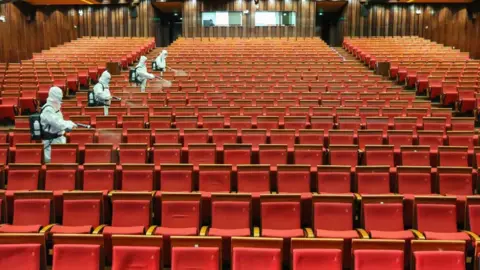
x=142, y=73
x=101, y=90
x=53, y=125
x=161, y=61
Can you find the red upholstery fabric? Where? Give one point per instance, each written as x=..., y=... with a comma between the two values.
x=474, y=218
x=229, y=232
x=109, y=230
x=176, y=181
x=280, y=216
x=81, y=213
x=373, y=183
x=22, y=179
x=135, y=156
x=253, y=181
x=6, y=228
x=293, y=181
x=346, y=234
x=403, y=235
x=180, y=214
x=137, y=180
x=186, y=258
x=64, y=155
x=310, y=157
x=201, y=156
x=283, y=233
x=379, y=158
x=446, y=236
x=334, y=182
x=60, y=180
x=383, y=217
x=256, y=259
x=20, y=256
x=27, y=155
x=306, y=259
x=31, y=212
x=379, y=259
x=71, y=229
x=236, y=157
x=344, y=157
x=133, y=257
x=76, y=257
x=333, y=216
x=455, y=184
x=273, y=157
x=98, y=155
x=436, y=218
x=433, y=260
x=230, y=216
x=414, y=183
x=98, y=180
x=214, y=181
x=166, y=156
x=128, y=213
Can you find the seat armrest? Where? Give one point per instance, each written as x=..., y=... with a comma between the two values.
x=418, y=235
x=99, y=229
x=256, y=232
x=309, y=233
x=47, y=228
x=204, y=231
x=151, y=230
x=363, y=234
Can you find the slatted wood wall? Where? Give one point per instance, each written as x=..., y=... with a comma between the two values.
x=116, y=21
x=55, y=25
x=19, y=38
x=446, y=24
x=305, y=15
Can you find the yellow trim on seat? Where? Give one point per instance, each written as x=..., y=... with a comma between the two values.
x=472, y=235
x=363, y=234
x=204, y=231
x=357, y=196
x=309, y=233
x=151, y=230
x=256, y=232
x=47, y=228
x=418, y=234
x=99, y=229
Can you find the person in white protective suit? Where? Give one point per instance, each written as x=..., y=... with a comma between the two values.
x=142, y=73
x=52, y=121
x=161, y=61
x=102, y=91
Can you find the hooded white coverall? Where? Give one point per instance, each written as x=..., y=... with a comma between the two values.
x=52, y=121
x=161, y=61
x=101, y=89
x=142, y=73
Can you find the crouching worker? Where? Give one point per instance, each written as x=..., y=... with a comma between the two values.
x=142, y=73
x=52, y=123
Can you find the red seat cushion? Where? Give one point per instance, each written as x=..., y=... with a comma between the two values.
x=282, y=233
x=20, y=228
x=392, y=235
x=184, y=258
x=446, y=236
x=378, y=259
x=124, y=230
x=350, y=234
x=76, y=257
x=20, y=256
x=256, y=259
x=71, y=229
x=306, y=259
x=176, y=231
x=135, y=257
x=229, y=232
x=433, y=260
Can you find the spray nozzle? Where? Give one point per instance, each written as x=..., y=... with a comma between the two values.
x=83, y=126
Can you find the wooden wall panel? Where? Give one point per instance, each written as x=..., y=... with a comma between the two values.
x=19, y=39
x=55, y=25
x=446, y=24
x=305, y=15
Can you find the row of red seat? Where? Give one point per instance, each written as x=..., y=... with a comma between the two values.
x=70, y=251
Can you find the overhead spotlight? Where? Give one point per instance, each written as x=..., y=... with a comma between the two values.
x=181, y=18
x=246, y=11
x=321, y=13
x=284, y=14
x=175, y=14
x=80, y=12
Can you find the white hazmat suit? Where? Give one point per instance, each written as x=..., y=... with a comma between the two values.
x=161, y=61
x=52, y=121
x=101, y=89
x=142, y=73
